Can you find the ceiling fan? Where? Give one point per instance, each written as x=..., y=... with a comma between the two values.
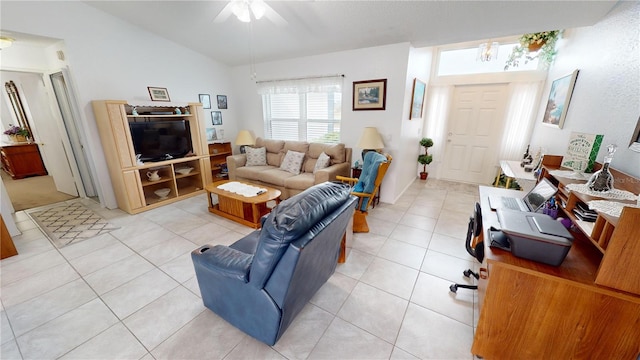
x=247, y=10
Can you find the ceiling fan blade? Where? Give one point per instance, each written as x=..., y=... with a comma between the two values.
x=274, y=16
x=224, y=14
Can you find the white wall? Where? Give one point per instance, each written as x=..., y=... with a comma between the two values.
x=111, y=59
x=606, y=98
x=383, y=62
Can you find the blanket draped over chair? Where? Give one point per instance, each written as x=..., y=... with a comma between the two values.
x=367, y=181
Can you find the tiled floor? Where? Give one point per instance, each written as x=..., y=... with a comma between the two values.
x=132, y=294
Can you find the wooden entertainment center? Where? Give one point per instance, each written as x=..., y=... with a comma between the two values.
x=134, y=191
x=588, y=307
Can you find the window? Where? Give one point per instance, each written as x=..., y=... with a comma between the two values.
x=303, y=110
x=463, y=61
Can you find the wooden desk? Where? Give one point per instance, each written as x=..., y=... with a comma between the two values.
x=530, y=310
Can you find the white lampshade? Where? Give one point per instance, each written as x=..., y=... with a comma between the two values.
x=371, y=139
x=244, y=138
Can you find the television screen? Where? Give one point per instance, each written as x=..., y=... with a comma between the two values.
x=161, y=140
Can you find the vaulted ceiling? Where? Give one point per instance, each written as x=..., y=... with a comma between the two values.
x=316, y=27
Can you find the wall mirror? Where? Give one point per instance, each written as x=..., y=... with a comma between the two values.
x=16, y=104
x=635, y=139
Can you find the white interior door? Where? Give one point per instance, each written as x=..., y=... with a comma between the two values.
x=474, y=129
x=47, y=133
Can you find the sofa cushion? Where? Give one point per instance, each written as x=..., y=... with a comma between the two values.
x=292, y=162
x=274, y=176
x=274, y=148
x=300, y=182
x=256, y=156
x=253, y=172
x=299, y=146
x=322, y=162
x=289, y=220
x=335, y=151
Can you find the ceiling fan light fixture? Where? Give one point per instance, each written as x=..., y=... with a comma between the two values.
x=240, y=9
x=258, y=8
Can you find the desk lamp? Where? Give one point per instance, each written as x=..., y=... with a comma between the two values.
x=243, y=139
x=370, y=141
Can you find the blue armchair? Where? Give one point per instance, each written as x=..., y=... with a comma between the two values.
x=261, y=282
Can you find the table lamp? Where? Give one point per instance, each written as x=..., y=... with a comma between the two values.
x=370, y=141
x=243, y=139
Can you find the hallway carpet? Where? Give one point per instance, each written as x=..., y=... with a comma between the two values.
x=32, y=192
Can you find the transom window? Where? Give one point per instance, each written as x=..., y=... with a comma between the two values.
x=303, y=110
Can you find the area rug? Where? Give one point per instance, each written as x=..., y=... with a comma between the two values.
x=70, y=223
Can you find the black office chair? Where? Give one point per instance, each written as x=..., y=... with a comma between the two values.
x=474, y=244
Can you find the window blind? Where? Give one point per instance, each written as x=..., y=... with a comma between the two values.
x=303, y=109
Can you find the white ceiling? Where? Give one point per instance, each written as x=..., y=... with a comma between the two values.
x=316, y=27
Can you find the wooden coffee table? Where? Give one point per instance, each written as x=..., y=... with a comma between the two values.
x=241, y=209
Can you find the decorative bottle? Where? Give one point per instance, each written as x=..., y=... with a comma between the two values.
x=526, y=158
x=602, y=180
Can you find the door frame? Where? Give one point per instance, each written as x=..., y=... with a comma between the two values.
x=73, y=140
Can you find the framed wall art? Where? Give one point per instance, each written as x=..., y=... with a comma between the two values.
x=559, y=98
x=216, y=117
x=634, y=145
x=205, y=99
x=211, y=134
x=158, y=94
x=222, y=101
x=417, y=99
x=370, y=94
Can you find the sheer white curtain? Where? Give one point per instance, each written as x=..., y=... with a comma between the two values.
x=320, y=84
x=519, y=119
x=438, y=104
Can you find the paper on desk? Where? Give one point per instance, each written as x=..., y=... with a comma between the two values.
x=239, y=188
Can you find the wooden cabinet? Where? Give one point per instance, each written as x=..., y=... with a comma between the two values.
x=588, y=307
x=183, y=177
x=218, y=153
x=22, y=160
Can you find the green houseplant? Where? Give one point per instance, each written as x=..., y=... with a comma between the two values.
x=540, y=45
x=425, y=159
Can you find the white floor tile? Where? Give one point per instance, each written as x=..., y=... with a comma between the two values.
x=375, y=311
x=391, y=277
x=433, y=293
x=429, y=335
x=343, y=340
x=64, y=333
x=157, y=321
x=114, y=343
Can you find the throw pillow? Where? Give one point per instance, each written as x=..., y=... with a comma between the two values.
x=256, y=156
x=292, y=162
x=322, y=162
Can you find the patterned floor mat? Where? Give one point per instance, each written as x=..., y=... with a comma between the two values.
x=70, y=223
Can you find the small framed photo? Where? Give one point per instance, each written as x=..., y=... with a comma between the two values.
x=559, y=98
x=216, y=117
x=205, y=99
x=211, y=134
x=222, y=101
x=417, y=99
x=370, y=95
x=158, y=94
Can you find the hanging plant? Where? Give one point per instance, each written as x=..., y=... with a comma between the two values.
x=540, y=45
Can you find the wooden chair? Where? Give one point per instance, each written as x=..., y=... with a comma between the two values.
x=359, y=217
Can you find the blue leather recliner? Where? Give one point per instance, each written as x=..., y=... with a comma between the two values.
x=262, y=281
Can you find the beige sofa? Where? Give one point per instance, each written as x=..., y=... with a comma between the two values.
x=289, y=183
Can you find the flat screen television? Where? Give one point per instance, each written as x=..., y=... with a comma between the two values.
x=161, y=140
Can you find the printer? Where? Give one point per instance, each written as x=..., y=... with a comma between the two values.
x=532, y=236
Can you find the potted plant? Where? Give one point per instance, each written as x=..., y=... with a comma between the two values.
x=17, y=133
x=425, y=159
x=540, y=45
